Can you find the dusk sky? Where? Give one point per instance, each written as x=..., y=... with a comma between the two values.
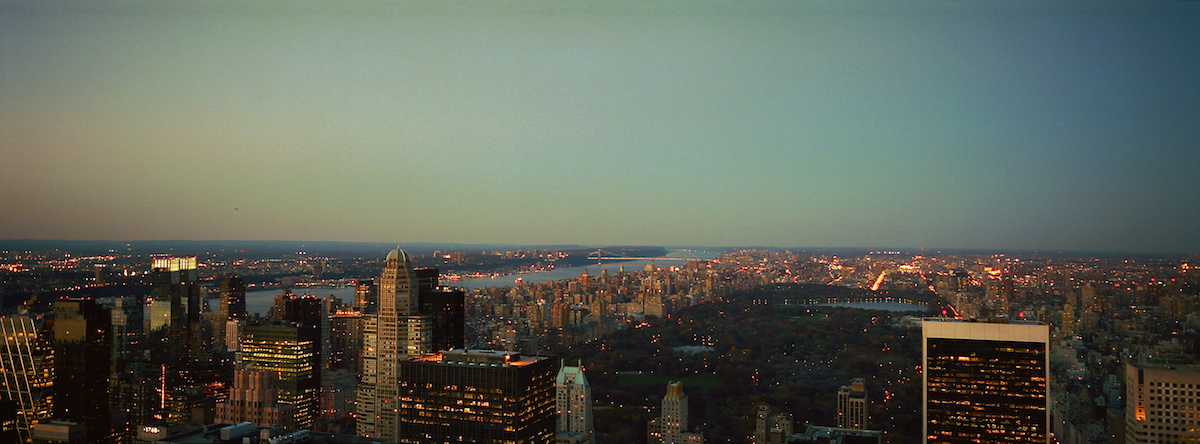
x=890, y=124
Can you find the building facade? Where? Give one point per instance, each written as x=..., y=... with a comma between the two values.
x=1162, y=402
x=672, y=426
x=27, y=369
x=255, y=398
x=852, y=405
x=770, y=427
x=287, y=350
x=985, y=382
x=573, y=405
x=479, y=396
x=82, y=359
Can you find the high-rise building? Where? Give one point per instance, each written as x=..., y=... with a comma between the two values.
x=233, y=298
x=672, y=426
x=27, y=369
x=346, y=341
x=175, y=302
x=255, y=398
x=1162, y=399
x=394, y=334
x=479, y=396
x=82, y=356
x=366, y=295
x=985, y=382
x=852, y=405
x=130, y=397
x=289, y=350
x=573, y=403
x=447, y=312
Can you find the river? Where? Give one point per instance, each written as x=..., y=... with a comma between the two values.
x=574, y=272
x=260, y=301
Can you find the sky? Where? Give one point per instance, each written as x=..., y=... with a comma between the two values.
x=984, y=125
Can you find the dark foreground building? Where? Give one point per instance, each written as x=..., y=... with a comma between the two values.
x=476, y=396
x=986, y=382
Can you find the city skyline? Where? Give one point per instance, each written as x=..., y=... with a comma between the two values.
x=975, y=125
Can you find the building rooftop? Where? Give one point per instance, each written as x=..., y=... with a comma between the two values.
x=475, y=357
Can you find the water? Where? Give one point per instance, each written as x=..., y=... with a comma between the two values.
x=887, y=306
x=260, y=301
x=573, y=272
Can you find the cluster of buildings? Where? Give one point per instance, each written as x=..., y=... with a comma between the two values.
x=531, y=317
x=390, y=367
x=1033, y=350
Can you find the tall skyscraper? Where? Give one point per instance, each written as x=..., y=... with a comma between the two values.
x=672, y=426
x=130, y=395
x=366, y=296
x=27, y=369
x=852, y=405
x=985, y=382
x=396, y=333
x=175, y=302
x=82, y=349
x=479, y=396
x=1162, y=400
x=346, y=341
x=288, y=350
x=233, y=298
x=573, y=402
x=447, y=313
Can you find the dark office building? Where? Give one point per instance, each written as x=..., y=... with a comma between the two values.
x=427, y=278
x=233, y=298
x=82, y=355
x=130, y=396
x=446, y=307
x=986, y=382
x=174, y=310
x=448, y=312
x=346, y=341
x=478, y=396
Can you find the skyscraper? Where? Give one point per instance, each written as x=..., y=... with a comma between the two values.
x=1162, y=398
x=573, y=402
x=232, y=316
x=985, y=382
x=130, y=394
x=447, y=313
x=175, y=302
x=288, y=350
x=233, y=298
x=396, y=333
x=82, y=349
x=366, y=295
x=852, y=405
x=479, y=396
x=26, y=369
x=672, y=426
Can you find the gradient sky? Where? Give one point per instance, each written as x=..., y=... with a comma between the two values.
x=1008, y=125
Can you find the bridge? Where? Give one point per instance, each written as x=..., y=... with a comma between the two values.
x=602, y=255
